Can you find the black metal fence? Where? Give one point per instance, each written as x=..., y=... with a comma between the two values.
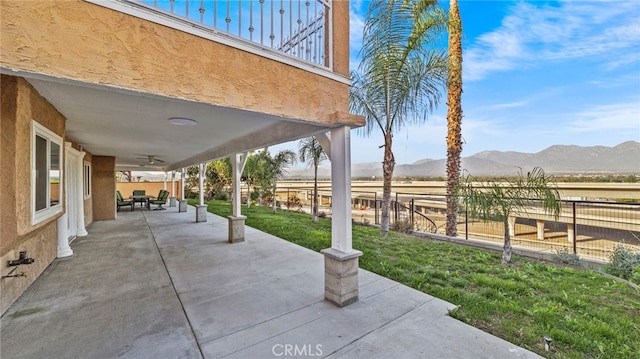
x=589, y=229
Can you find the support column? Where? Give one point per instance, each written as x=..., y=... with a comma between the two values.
x=63, y=237
x=172, y=199
x=201, y=208
x=236, y=220
x=183, y=202
x=341, y=260
x=82, y=231
x=511, y=221
x=540, y=229
x=571, y=234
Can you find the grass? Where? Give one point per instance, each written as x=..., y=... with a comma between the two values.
x=586, y=314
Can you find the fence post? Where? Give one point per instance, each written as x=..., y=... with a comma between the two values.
x=575, y=229
x=466, y=224
x=412, y=211
x=396, y=209
x=375, y=204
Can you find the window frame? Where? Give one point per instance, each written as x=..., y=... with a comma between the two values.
x=86, y=180
x=38, y=130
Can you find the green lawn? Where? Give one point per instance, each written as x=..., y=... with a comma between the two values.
x=586, y=314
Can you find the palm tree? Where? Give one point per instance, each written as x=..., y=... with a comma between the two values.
x=454, y=115
x=311, y=152
x=250, y=174
x=497, y=200
x=273, y=169
x=400, y=76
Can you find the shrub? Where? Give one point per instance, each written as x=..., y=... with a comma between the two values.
x=221, y=196
x=293, y=202
x=403, y=226
x=623, y=262
x=564, y=256
x=322, y=214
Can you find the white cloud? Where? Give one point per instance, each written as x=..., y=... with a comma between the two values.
x=532, y=33
x=621, y=116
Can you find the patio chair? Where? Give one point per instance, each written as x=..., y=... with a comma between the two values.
x=162, y=199
x=120, y=202
x=140, y=193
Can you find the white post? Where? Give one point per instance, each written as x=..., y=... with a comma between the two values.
x=236, y=220
x=201, y=183
x=182, y=204
x=82, y=231
x=63, y=237
x=172, y=199
x=571, y=234
x=341, y=236
x=341, y=260
x=540, y=229
x=236, y=173
x=201, y=209
x=512, y=226
x=182, y=175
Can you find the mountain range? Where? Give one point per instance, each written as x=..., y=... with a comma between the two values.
x=558, y=159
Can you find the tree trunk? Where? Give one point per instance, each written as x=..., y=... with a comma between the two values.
x=506, y=250
x=248, y=195
x=315, y=195
x=273, y=198
x=454, y=116
x=387, y=174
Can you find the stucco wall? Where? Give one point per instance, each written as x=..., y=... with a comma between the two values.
x=104, y=188
x=20, y=104
x=89, y=43
x=8, y=100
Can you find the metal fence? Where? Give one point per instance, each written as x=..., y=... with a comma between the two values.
x=297, y=28
x=589, y=229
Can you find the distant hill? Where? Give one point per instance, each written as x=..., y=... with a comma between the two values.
x=558, y=159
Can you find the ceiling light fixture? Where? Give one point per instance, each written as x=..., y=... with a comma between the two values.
x=181, y=121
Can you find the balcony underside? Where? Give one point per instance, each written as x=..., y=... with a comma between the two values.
x=117, y=79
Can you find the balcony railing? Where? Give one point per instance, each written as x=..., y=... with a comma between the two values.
x=297, y=28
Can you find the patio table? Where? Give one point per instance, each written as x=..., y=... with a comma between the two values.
x=143, y=199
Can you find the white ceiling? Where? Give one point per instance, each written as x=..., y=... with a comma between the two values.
x=108, y=121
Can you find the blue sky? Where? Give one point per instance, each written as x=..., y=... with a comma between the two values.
x=535, y=74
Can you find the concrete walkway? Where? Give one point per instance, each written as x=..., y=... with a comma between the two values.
x=155, y=284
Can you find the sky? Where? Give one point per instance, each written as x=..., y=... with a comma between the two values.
x=535, y=74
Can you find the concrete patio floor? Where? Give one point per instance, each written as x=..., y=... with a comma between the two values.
x=155, y=284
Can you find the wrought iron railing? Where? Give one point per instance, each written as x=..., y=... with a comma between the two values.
x=297, y=28
x=589, y=229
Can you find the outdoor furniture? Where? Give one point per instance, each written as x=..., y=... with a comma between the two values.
x=120, y=201
x=162, y=199
x=139, y=196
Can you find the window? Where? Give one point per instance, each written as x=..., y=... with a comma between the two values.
x=87, y=180
x=46, y=173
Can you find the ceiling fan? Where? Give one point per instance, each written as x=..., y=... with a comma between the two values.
x=151, y=158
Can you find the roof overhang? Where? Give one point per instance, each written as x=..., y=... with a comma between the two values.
x=130, y=125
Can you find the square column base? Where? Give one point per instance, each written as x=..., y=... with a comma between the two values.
x=182, y=206
x=236, y=229
x=172, y=201
x=340, y=276
x=201, y=213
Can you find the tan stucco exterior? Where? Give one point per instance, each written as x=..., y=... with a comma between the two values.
x=87, y=44
x=104, y=188
x=20, y=104
x=96, y=45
